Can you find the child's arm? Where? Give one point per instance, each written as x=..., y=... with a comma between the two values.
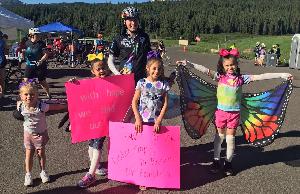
x=138, y=119
x=17, y=113
x=200, y=68
x=54, y=107
x=162, y=114
x=271, y=76
x=111, y=64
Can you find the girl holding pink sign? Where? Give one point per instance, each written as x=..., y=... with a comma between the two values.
x=150, y=100
x=99, y=69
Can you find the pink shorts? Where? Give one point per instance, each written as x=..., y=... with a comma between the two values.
x=227, y=119
x=35, y=141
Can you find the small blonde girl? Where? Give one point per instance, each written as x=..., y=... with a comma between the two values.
x=150, y=100
x=35, y=128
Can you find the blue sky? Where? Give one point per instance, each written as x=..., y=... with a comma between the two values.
x=86, y=1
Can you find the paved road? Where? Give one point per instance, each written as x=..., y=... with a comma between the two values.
x=273, y=169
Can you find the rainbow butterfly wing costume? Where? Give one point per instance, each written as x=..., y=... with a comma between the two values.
x=262, y=114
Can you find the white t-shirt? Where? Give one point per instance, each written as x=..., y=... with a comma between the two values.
x=35, y=120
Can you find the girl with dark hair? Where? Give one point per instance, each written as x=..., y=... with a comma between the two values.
x=229, y=95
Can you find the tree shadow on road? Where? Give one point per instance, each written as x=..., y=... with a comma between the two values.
x=196, y=160
x=127, y=189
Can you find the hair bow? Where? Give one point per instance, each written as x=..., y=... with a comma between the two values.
x=225, y=52
x=153, y=54
x=30, y=81
x=92, y=57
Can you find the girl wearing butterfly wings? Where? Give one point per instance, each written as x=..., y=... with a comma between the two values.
x=228, y=103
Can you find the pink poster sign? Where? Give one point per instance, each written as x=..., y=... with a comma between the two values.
x=148, y=159
x=93, y=102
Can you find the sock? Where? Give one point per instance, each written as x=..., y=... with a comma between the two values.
x=230, y=141
x=95, y=161
x=219, y=138
x=90, y=153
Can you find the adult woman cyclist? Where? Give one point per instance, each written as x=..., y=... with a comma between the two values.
x=35, y=56
x=131, y=46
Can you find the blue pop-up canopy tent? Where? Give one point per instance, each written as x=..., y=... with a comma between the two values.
x=59, y=28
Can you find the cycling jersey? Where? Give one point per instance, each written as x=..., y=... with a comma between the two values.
x=34, y=51
x=132, y=50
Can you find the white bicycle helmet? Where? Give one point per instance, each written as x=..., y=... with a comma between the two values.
x=34, y=31
x=130, y=12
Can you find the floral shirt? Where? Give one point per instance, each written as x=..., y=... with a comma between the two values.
x=151, y=100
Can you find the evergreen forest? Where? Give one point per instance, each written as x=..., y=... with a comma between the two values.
x=174, y=19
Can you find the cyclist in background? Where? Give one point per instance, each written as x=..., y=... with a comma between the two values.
x=100, y=44
x=3, y=62
x=36, y=55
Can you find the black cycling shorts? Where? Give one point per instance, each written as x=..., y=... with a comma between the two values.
x=32, y=71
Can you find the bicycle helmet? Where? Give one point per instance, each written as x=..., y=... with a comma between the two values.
x=34, y=31
x=130, y=13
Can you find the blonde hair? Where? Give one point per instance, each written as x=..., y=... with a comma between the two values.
x=27, y=86
x=152, y=61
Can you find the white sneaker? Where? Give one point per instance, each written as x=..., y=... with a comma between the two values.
x=28, y=180
x=101, y=171
x=44, y=176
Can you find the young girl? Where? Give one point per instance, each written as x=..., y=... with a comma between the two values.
x=150, y=100
x=35, y=129
x=229, y=94
x=99, y=69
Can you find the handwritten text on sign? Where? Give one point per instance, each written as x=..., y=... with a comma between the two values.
x=147, y=158
x=93, y=102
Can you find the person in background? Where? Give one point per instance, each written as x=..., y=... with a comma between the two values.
x=100, y=44
x=3, y=62
x=5, y=38
x=276, y=50
x=36, y=55
x=256, y=52
x=262, y=55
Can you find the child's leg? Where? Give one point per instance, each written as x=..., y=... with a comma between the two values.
x=96, y=154
x=219, y=138
x=230, y=141
x=95, y=161
x=29, y=160
x=90, y=151
x=41, y=153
